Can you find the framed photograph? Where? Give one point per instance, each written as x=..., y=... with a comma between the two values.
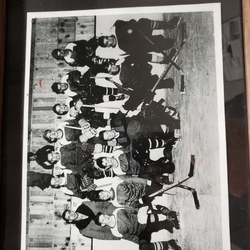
x=124, y=115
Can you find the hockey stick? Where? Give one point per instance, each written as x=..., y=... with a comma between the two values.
x=172, y=61
x=179, y=184
x=194, y=193
x=165, y=189
x=192, y=162
x=119, y=86
x=152, y=43
x=71, y=127
x=191, y=173
x=164, y=73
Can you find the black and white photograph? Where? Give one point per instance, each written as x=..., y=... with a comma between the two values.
x=124, y=141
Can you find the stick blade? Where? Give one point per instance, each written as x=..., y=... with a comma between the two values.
x=184, y=31
x=192, y=162
x=196, y=200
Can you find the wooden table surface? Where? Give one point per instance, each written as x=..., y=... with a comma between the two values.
x=246, y=37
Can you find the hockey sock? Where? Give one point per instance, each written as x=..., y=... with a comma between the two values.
x=157, y=58
x=111, y=91
x=160, y=245
x=156, y=143
x=156, y=217
x=154, y=24
x=171, y=24
x=107, y=149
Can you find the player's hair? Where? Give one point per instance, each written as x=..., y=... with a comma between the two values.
x=101, y=135
x=64, y=216
x=94, y=195
x=96, y=220
x=55, y=55
x=99, y=162
x=55, y=89
x=47, y=138
x=58, y=113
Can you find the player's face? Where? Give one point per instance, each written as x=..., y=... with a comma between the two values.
x=104, y=195
x=108, y=161
x=56, y=181
x=61, y=53
x=109, y=41
x=53, y=157
x=52, y=135
x=62, y=86
x=62, y=108
x=105, y=219
x=65, y=52
x=70, y=215
x=113, y=69
x=108, y=135
x=73, y=112
x=97, y=60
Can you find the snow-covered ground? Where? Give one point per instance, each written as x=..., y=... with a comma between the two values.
x=202, y=135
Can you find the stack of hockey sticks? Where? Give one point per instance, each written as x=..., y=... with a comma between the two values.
x=179, y=184
x=174, y=58
x=171, y=63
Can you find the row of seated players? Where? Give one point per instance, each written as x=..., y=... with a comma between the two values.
x=131, y=139
x=126, y=189
x=135, y=221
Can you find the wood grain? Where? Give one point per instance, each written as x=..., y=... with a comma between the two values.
x=246, y=36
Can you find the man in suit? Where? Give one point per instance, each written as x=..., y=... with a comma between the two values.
x=83, y=219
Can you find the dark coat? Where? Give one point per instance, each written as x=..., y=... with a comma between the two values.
x=94, y=231
x=129, y=37
x=75, y=83
x=83, y=52
x=135, y=73
x=129, y=128
x=83, y=209
x=77, y=156
x=70, y=133
x=94, y=118
x=135, y=37
x=42, y=156
x=41, y=180
x=79, y=184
